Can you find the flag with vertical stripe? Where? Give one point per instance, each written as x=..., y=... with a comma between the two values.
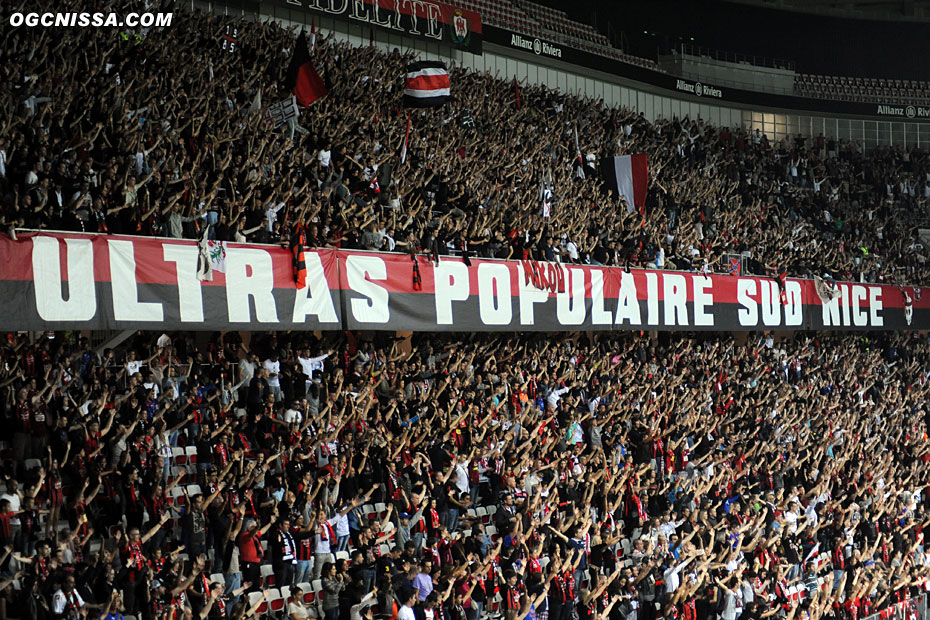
x=628, y=175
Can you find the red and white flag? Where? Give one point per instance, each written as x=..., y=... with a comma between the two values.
x=427, y=84
x=403, y=149
x=629, y=176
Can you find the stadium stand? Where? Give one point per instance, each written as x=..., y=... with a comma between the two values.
x=449, y=477
x=209, y=162
x=874, y=90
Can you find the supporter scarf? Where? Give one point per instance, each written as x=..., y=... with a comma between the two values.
x=559, y=582
x=326, y=532
x=259, y=551
x=689, y=610
x=42, y=569
x=534, y=566
x=72, y=606
x=433, y=554
x=135, y=554
x=304, y=550
x=394, y=486
x=287, y=545
x=569, y=585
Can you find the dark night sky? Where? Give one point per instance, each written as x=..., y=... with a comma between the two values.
x=817, y=44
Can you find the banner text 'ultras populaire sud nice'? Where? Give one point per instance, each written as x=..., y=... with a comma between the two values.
x=73, y=281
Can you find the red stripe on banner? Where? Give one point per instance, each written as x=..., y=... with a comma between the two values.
x=428, y=82
x=149, y=256
x=152, y=268
x=640, y=167
x=385, y=291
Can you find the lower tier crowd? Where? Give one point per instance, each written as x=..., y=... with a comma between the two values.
x=464, y=477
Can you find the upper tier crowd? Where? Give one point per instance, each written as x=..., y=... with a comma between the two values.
x=458, y=478
x=160, y=132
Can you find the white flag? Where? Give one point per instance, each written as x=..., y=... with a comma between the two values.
x=256, y=106
x=217, y=253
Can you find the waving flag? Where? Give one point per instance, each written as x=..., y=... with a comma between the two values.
x=427, y=84
x=578, y=158
x=302, y=78
x=628, y=175
x=403, y=149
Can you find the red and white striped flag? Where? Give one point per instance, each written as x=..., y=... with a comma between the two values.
x=427, y=84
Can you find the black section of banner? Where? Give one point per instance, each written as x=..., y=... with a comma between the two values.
x=350, y=309
x=692, y=90
x=363, y=13
x=23, y=315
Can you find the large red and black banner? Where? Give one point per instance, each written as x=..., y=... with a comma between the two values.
x=423, y=19
x=72, y=281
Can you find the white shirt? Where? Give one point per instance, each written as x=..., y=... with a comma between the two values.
x=405, y=613
x=323, y=546
x=246, y=370
x=292, y=416
x=152, y=385
x=672, y=578
x=555, y=395
x=60, y=601
x=309, y=364
x=572, y=249
x=461, y=477
x=297, y=610
x=273, y=368
x=341, y=524
x=133, y=366
x=14, y=506
x=271, y=212
x=324, y=157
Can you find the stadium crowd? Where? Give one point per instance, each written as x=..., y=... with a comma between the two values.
x=619, y=477
x=447, y=477
x=161, y=132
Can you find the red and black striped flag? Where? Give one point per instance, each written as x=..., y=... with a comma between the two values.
x=297, y=244
x=302, y=78
x=427, y=84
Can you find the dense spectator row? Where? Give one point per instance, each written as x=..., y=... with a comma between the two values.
x=160, y=134
x=446, y=477
x=615, y=477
